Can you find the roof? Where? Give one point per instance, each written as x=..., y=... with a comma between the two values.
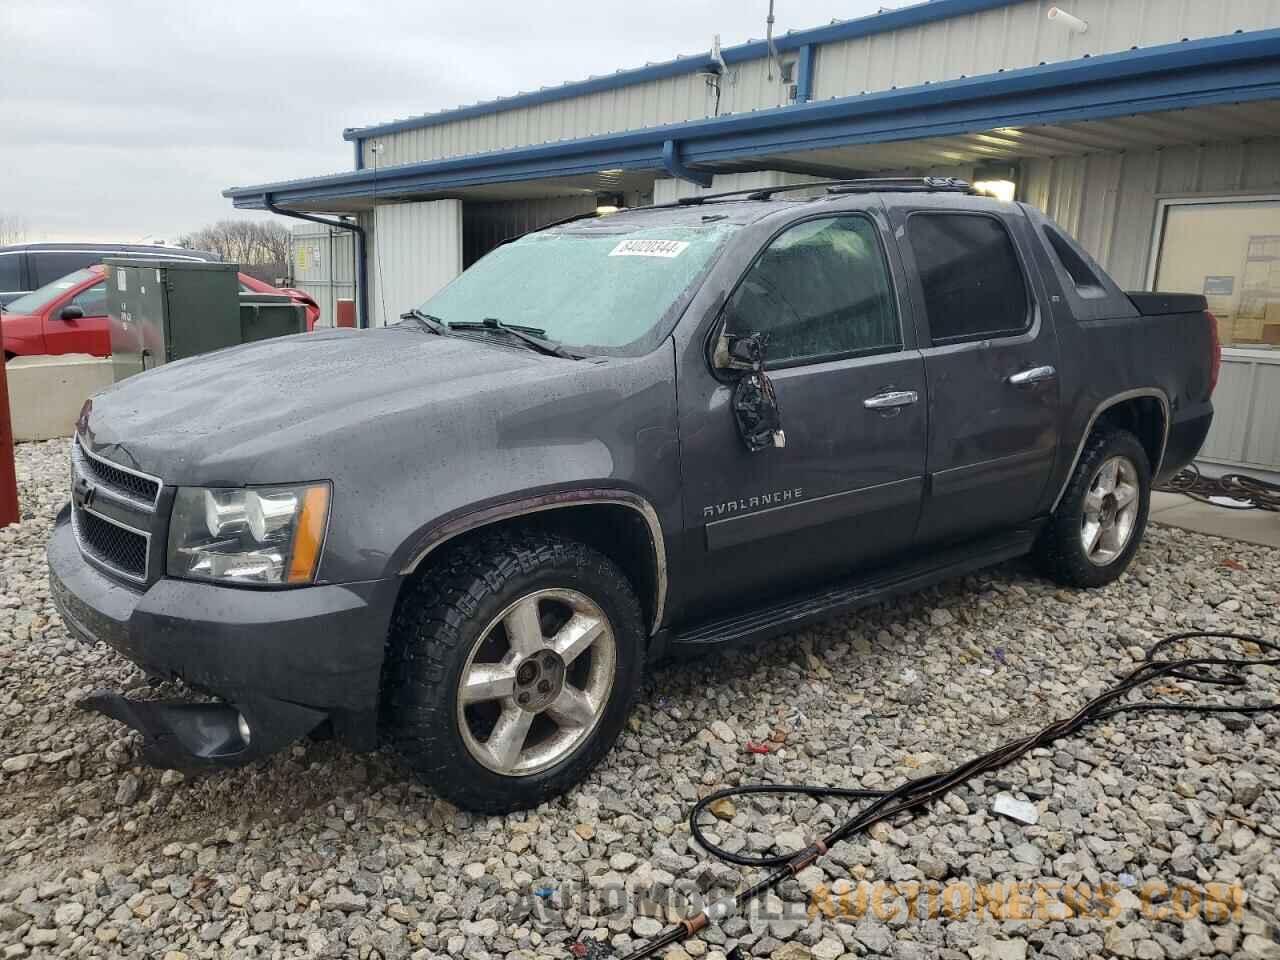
x=72, y=245
x=883, y=22
x=1241, y=68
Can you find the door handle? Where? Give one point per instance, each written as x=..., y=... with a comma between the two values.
x=891, y=399
x=1027, y=378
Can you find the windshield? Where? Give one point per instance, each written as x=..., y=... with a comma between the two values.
x=603, y=290
x=37, y=300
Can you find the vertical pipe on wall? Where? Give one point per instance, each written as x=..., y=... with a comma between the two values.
x=804, y=74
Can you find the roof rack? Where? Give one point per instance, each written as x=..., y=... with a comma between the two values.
x=865, y=185
x=833, y=187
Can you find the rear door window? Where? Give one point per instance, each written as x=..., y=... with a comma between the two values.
x=973, y=283
x=49, y=265
x=11, y=272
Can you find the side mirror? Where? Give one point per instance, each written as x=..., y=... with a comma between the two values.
x=739, y=353
x=71, y=312
x=755, y=406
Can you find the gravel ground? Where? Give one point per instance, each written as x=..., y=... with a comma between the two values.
x=318, y=852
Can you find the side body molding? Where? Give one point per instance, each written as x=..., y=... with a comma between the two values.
x=556, y=501
x=1103, y=407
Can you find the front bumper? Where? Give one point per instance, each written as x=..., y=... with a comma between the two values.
x=283, y=659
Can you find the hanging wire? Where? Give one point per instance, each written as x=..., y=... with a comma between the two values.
x=1229, y=672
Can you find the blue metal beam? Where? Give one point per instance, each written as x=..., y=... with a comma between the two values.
x=672, y=163
x=889, y=20
x=804, y=74
x=1238, y=68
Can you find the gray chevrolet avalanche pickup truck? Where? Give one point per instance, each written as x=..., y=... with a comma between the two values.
x=608, y=441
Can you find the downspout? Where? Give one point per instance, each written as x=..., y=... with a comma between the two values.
x=804, y=74
x=675, y=166
x=359, y=144
x=362, y=288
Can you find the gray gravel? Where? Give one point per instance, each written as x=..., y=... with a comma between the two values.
x=322, y=853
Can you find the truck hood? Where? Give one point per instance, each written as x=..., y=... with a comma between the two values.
x=220, y=417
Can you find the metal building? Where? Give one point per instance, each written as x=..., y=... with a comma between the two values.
x=1149, y=128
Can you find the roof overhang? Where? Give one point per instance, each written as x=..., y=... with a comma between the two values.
x=1124, y=87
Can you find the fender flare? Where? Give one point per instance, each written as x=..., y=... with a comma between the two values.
x=1153, y=393
x=442, y=533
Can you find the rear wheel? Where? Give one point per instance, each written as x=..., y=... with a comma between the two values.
x=512, y=665
x=1098, y=526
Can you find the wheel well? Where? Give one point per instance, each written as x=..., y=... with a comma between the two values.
x=1144, y=418
x=617, y=531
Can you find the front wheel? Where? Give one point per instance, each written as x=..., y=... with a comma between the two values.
x=512, y=665
x=1098, y=526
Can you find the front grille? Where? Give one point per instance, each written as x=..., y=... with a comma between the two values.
x=141, y=488
x=113, y=511
x=123, y=551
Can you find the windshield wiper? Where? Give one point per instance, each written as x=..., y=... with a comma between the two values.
x=533, y=336
x=427, y=321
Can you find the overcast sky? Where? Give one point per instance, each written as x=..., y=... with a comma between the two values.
x=125, y=119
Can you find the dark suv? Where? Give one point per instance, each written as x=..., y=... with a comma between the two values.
x=608, y=441
x=28, y=266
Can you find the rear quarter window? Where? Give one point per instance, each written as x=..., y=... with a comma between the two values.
x=10, y=272
x=972, y=279
x=49, y=265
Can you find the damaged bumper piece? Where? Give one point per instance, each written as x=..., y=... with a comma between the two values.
x=280, y=662
x=185, y=736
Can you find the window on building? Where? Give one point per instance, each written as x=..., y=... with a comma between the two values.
x=821, y=289
x=973, y=283
x=93, y=301
x=1230, y=252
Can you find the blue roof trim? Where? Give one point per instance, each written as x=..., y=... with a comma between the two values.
x=1236, y=68
x=890, y=20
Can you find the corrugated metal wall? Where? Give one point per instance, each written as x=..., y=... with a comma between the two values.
x=1015, y=36
x=1246, y=424
x=323, y=265
x=416, y=249
x=1021, y=35
x=1108, y=200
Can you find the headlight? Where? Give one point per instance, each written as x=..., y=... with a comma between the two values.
x=248, y=534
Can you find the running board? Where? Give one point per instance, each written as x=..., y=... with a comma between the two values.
x=786, y=615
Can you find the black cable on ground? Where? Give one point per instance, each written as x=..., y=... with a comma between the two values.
x=1252, y=493
x=1216, y=671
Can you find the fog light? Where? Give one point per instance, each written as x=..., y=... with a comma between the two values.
x=243, y=726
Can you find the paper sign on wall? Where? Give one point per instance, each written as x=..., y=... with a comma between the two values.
x=649, y=248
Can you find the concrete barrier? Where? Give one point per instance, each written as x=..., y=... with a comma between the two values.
x=46, y=393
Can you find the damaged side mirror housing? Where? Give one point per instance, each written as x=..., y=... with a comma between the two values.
x=755, y=405
x=737, y=353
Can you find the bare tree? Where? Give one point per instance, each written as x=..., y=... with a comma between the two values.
x=247, y=242
x=13, y=229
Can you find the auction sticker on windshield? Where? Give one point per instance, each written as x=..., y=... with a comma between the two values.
x=649, y=248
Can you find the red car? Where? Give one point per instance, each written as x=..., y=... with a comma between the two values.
x=69, y=315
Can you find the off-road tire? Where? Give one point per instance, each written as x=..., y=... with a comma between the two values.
x=1059, y=553
x=438, y=620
